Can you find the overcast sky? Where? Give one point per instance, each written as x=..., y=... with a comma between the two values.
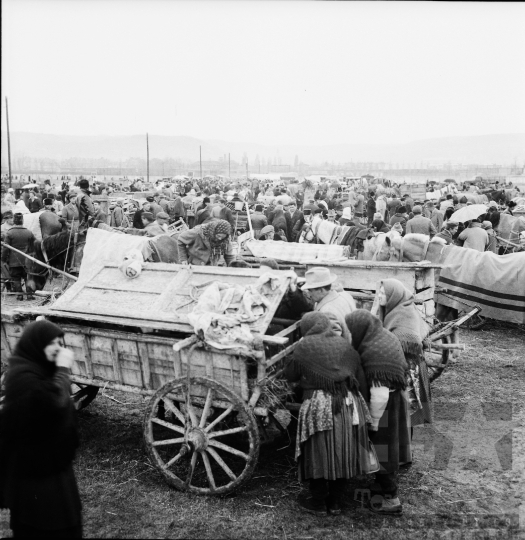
x=270, y=72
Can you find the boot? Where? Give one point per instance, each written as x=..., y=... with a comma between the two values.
x=335, y=496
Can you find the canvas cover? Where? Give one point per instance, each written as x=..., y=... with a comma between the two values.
x=298, y=253
x=495, y=283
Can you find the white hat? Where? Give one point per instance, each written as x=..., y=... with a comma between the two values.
x=318, y=277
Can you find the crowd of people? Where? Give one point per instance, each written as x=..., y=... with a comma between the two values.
x=361, y=378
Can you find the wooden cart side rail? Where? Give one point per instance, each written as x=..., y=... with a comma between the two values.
x=279, y=356
x=259, y=411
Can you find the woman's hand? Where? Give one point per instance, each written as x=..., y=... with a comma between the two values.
x=64, y=358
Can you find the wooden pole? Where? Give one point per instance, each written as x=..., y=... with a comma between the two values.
x=40, y=262
x=8, y=143
x=147, y=153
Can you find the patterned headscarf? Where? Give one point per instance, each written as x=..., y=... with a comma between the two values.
x=209, y=232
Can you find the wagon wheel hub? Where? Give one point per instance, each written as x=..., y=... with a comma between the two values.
x=197, y=439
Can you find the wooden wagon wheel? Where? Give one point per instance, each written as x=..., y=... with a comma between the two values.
x=83, y=394
x=437, y=359
x=208, y=448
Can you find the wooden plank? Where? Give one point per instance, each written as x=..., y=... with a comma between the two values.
x=164, y=300
x=115, y=359
x=87, y=356
x=288, y=330
x=177, y=364
x=243, y=378
x=279, y=356
x=424, y=295
x=142, y=351
x=5, y=342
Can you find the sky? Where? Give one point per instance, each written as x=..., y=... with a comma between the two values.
x=270, y=72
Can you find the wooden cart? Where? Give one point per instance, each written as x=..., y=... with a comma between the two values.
x=207, y=406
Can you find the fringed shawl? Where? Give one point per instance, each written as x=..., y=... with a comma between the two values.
x=404, y=321
x=323, y=360
x=209, y=232
x=381, y=354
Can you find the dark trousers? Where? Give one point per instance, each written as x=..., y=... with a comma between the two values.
x=322, y=489
x=17, y=273
x=30, y=532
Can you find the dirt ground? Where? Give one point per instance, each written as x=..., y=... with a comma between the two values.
x=467, y=480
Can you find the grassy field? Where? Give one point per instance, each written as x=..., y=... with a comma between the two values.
x=467, y=480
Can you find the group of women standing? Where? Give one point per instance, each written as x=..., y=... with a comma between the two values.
x=360, y=400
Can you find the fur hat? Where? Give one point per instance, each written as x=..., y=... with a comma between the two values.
x=83, y=184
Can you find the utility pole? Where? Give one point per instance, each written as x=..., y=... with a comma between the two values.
x=200, y=159
x=8, y=143
x=147, y=153
x=229, y=168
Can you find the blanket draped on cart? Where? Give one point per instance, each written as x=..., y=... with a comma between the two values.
x=104, y=246
x=298, y=253
x=495, y=283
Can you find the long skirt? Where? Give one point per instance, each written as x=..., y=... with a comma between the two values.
x=341, y=452
x=392, y=441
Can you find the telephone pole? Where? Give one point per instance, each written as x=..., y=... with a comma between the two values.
x=229, y=169
x=200, y=159
x=147, y=154
x=8, y=143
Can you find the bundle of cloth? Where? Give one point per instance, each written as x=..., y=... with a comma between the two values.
x=224, y=311
x=132, y=264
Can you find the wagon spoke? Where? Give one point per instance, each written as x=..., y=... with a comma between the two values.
x=220, y=461
x=172, y=460
x=192, y=468
x=219, y=418
x=209, y=472
x=229, y=449
x=207, y=406
x=227, y=432
x=171, y=406
x=190, y=411
x=168, y=441
x=173, y=427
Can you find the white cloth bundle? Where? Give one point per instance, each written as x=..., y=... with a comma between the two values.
x=132, y=264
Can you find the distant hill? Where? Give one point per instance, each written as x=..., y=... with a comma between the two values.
x=484, y=149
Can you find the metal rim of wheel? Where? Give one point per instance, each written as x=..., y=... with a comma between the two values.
x=437, y=360
x=194, y=460
x=83, y=394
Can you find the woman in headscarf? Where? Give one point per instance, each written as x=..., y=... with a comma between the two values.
x=332, y=442
x=385, y=371
x=402, y=318
x=39, y=438
x=205, y=244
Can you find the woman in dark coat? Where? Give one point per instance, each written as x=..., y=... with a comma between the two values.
x=386, y=373
x=332, y=441
x=39, y=438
